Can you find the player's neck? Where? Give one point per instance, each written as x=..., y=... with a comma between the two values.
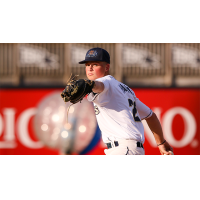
x=106, y=73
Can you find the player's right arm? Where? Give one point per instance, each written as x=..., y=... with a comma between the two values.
x=98, y=87
x=100, y=94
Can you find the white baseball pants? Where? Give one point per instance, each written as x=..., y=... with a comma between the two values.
x=126, y=147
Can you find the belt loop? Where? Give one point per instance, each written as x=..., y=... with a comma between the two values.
x=112, y=144
x=116, y=143
x=139, y=144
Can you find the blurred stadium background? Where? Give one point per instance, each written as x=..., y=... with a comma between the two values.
x=166, y=77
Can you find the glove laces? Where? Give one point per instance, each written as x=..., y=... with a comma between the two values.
x=71, y=79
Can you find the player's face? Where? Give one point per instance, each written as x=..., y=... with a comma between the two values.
x=96, y=70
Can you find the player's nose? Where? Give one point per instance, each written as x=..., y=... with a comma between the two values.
x=91, y=67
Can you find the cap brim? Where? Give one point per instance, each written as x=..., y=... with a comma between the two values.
x=90, y=60
x=83, y=61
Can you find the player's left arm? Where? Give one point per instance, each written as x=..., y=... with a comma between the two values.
x=155, y=126
x=98, y=87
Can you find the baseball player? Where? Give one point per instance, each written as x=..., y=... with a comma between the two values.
x=118, y=111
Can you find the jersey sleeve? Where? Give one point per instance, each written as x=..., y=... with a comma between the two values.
x=101, y=98
x=144, y=111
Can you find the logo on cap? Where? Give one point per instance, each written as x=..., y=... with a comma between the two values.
x=92, y=53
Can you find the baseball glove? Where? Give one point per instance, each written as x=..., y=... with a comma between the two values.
x=76, y=90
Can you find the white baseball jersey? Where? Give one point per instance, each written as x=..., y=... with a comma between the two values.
x=118, y=111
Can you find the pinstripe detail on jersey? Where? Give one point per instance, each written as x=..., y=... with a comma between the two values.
x=127, y=151
x=96, y=96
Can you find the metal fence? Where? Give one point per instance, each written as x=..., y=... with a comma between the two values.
x=8, y=63
x=186, y=59
x=144, y=59
x=41, y=59
x=148, y=64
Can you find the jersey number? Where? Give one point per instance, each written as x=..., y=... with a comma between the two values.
x=131, y=103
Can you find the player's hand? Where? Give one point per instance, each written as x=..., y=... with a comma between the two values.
x=76, y=90
x=165, y=148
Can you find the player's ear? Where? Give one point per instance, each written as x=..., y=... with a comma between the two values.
x=107, y=67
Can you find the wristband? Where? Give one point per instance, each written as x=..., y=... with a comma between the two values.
x=161, y=143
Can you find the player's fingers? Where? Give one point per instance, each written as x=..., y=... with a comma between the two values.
x=167, y=154
x=171, y=152
x=163, y=150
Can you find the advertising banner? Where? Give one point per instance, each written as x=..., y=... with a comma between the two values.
x=179, y=113
x=23, y=129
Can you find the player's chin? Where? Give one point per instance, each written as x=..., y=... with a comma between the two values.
x=92, y=78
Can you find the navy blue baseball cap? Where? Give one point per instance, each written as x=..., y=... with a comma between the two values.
x=96, y=54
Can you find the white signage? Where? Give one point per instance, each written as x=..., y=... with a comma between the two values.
x=8, y=125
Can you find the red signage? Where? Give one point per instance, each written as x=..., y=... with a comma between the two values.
x=179, y=114
x=177, y=109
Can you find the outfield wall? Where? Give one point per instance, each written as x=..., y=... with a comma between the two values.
x=177, y=109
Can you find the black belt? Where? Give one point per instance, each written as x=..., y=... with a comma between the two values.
x=109, y=145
